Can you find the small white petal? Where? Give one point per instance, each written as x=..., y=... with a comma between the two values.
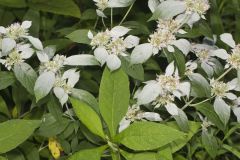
x=26, y=24
x=101, y=54
x=170, y=69
x=172, y=109
x=113, y=62
x=170, y=49
x=149, y=93
x=230, y=96
x=119, y=31
x=151, y=116
x=228, y=39
x=90, y=35
x=2, y=30
x=131, y=41
x=35, y=42
x=221, y=53
x=183, y=45
x=124, y=124
x=7, y=45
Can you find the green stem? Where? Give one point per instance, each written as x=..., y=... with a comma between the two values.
x=125, y=16
x=103, y=23
x=226, y=72
x=195, y=104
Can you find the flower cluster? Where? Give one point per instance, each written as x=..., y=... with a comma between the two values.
x=109, y=46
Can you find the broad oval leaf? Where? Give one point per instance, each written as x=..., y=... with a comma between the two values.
x=88, y=117
x=168, y=9
x=62, y=7
x=26, y=76
x=148, y=136
x=44, y=84
x=141, y=53
x=139, y=156
x=79, y=36
x=6, y=79
x=88, y=154
x=14, y=132
x=114, y=98
x=82, y=60
x=13, y=3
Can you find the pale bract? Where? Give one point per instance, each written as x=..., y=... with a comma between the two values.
x=163, y=90
x=134, y=113
x=110, y=45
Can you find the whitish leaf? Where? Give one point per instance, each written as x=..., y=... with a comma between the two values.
x=44, y=84
x=82, y=60
x=120, y=3
x=147, y=136
x=222, y=109
x=113, y=62
x=168, y=9
x=88, y=117
x=26, y=76
x=62, y=7
x=152, y=4
x=199, y=86
x=141, y=53
x=35, y=42
x=7, y=45
x=14, y=132
x=228, y=39
x=88, y=154
x=114, y=98
x=6, y=79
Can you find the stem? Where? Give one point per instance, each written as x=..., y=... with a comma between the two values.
x=95, y=25
x=195, y=104
x=226, y=72
x=125, y=16
x=103, y=23
x=69, y=113
x=111, y=17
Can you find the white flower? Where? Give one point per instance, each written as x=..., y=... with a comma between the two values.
x=109, y=45
x=190, y=67
x=101, y=4
x=197, y=6
x=18, y=54
x=134, y=113
x=163, y=90
x=16, y=30
x=206, y=55
x=64, y=84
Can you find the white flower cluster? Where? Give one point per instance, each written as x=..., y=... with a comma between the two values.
x=16, y=45
x=163, y=90
x=109, y=46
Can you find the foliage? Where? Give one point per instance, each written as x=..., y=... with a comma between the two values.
x=119, y=79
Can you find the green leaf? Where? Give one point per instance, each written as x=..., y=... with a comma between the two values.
x=179, y=59
x=88, y=117
x=26, y=76
x=210, y=144
x=51, y=127
x=139, y=156
x=6, y=79
x=13, y=3
x=55, y=108
x=88, y=154
x=114, y=98
x=134, y=70
x=86, y=97
x=147, y=136
x=165, y=153
x=62, y=7
x=207, y=110
x=44, y=84
x=179, y=143
x=199, y=86
x=231, y=149
x=3, y=158
x=34, y=16
x=79, y=36
x=30, y=151
x=4, y=107
x=14, y=132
